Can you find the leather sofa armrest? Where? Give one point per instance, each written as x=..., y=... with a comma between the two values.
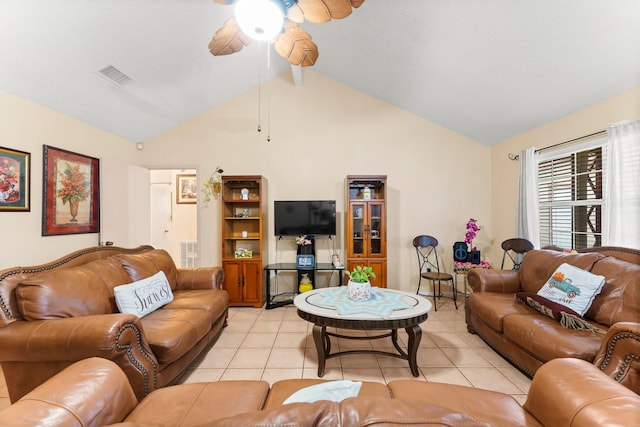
x=573, y=392
x=490, y=280
x=91, y=392
x=50, y=345
x=619, y=354
x=200, y=278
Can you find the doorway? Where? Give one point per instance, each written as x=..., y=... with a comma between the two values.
x=173, y=223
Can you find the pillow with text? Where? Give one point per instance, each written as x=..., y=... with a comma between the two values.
x=144, y=296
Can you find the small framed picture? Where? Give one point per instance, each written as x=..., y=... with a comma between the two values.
x=71, y=192
x=15, y=180
x=186, y=189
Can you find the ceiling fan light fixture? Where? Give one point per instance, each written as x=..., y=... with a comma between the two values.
x=259, y=19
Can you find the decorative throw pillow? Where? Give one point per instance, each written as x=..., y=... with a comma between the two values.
x=567, y=317
x=144, y=296
x=572, y=287
x=335, y=391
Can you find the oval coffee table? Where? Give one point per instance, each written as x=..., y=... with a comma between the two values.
x=387, y=309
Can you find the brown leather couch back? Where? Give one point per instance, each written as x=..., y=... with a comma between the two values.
x=146, y=264
x=88, y=289
x=83, y=290
x=358, y=411
x=11, y=278
x=538, y=266
x=619, y=299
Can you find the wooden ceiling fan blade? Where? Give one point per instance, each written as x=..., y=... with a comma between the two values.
x=228, y=39
x=356, y=3
x=295, y=45
x=319, y=11
x=295, y=14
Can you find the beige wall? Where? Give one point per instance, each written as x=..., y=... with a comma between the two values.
x=320, y=133
x=584, y=122
x=27, y=126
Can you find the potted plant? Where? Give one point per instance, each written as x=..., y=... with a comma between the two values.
x=213, y=185
x=359, y=286
x=472, y=231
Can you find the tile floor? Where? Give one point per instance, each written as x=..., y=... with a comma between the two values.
x=277, y=344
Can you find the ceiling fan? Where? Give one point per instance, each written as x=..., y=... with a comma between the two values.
x=290, y=41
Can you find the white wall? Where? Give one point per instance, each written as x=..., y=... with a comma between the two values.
x=320, y=133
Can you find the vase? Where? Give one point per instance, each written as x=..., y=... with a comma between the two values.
x=305, y=284
x=359, y=291
x=73, y=209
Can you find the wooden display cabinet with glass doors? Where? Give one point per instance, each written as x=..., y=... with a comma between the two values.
x=366, y=228
x=244, y=201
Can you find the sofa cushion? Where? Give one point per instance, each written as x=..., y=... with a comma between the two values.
x=144, y=296
x=173, y=332
x=619, y=300
x=480, y=404
x=82, y=290
x=547, y=339
x=539, y=265
x=572, y=287
x=198, y=404
x=213, y=300
x=145, y=264
x=492, y=308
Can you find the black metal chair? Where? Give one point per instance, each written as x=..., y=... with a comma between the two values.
x=429, y=265
x=515, y=248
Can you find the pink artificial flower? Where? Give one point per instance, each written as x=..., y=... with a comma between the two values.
x=472, y=231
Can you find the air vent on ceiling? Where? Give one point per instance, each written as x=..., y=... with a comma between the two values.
x=115, y=76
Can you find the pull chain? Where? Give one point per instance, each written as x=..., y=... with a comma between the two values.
x=268, y=93
x=259, y=90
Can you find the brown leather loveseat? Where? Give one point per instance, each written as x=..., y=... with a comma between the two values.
x=94, y=392
x=55, y=314
x=529, y=339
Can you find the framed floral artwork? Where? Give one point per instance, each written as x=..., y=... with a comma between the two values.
x=71, y=192
x=186, y=188
x=15, y=180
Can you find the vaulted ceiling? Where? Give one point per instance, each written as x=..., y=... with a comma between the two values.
x=487, y=69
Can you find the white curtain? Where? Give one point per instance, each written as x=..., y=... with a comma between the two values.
x=527, y=223
x=621, y=210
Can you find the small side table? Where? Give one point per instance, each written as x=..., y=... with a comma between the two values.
x=462, y=268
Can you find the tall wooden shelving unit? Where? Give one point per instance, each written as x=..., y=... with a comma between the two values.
x=243, y=275
x=366, y=226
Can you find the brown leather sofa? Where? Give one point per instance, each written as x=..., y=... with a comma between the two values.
x=529, y=339
x=95, y=392
x=55, y=314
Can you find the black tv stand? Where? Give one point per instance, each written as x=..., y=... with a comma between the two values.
x=285, y=298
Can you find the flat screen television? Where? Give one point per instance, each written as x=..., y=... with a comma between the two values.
x=299, y=217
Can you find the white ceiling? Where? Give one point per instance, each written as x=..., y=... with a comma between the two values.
x=488, y=69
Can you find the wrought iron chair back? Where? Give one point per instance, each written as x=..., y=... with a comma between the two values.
x=515, y=249
x=429, y=267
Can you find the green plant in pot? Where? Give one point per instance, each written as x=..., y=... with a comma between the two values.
x=359, y=286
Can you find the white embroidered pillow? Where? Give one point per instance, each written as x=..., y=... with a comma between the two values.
x=144, y=296
x=335, y=391
x=572, y=287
